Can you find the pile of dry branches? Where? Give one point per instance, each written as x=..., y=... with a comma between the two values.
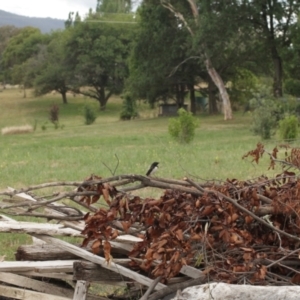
x=234, y=231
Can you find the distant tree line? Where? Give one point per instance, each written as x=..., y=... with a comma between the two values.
x=161, y=51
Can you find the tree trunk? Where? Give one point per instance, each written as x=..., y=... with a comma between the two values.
x=24, y=91
x=192, y=99
x=102, y=100
x=212, y=103
x=277, y=84
x=64, y=97
x=180, y=92
x=216, y=78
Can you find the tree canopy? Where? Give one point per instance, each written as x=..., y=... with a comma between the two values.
x=161, y=51
x=98, y=53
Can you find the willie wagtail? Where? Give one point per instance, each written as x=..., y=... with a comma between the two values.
x=153, y=168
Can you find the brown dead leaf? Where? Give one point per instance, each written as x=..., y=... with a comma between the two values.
x=96, y=246
x=107, y=249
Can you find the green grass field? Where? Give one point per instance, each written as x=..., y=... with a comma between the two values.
x=78, y=150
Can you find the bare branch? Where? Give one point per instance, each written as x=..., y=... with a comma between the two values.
x=171, y=8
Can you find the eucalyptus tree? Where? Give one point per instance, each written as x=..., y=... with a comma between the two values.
x=292, y=58
x=198, y=36
x=159, y=64
x=191, y=20
x=272, y=20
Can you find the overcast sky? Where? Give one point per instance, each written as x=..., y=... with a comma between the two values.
x=58, y=9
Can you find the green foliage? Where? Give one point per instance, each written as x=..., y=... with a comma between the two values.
x=44, y=126
x=160, y=49
x=22, y=46
x=54, y=71
x=243, y=82
x=288, y=128
x=266, y=113
x=292, y=86
x=182, y=128
x=21, y=54
x=264, y=122
x=90, y=115
x=98, y=55
x=129, y=108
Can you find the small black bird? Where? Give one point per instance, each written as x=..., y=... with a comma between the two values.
x=153, y=168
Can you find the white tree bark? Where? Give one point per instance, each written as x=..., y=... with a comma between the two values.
x=216, y=78
x=218, y=81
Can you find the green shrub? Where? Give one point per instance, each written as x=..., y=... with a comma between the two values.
x=266, y=114
x=129, y=108
x=182, y=128
x=288, y=128
x=90, y=115
x=292, y=86
x=264, y=122
x=44, y=126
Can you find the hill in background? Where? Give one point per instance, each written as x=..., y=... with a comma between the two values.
x=44, y=24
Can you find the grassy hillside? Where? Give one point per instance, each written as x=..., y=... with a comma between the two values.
x=77, y=150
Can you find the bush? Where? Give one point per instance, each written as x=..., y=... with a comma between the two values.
x=267, y=113
x=292, y=86
x=264, y=122
x=288, y=128
x=182, y=128
x=89, y=115
x=54, y=114
x=129, y=109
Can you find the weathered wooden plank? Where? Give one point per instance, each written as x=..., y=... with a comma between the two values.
x=36, y=285
x=37, y=266
x=186, y=270
x=87, y=271
x=39, y=228
x=62, y=276
x=17, y=293
x=80, y=290
x=45, y=252
x=99, y=260
x=42, y=253
x=7, y=219
x=123, y=248
x=191, y=272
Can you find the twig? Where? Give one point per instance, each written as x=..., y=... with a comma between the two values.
x=245, y=210
x=184, y=61
x=113, y=172
x=37, y=204
x=282, y=258
x=151, y=288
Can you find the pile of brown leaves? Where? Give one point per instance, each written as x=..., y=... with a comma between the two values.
x=206, y=230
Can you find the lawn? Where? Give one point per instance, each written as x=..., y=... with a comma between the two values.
x=77, y=150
